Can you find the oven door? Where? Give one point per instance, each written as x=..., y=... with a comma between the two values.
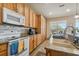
x=26, y=45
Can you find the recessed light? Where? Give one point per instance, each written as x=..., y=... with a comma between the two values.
x=50, y=13
x=67, y=10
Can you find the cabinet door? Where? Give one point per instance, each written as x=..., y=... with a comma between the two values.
x=31, y=44
x=1, y=6
x=31, y=18
x=38, y=23
x=43, y=27
x=3, y=49
x=12, y=6
x=20, y=8
x=3, y=53
x=35, y=41
x=38, y=39
x=27, y=16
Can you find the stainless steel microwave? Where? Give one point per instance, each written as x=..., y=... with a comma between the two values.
x=12, y=17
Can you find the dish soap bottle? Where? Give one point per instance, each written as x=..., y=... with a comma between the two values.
x=51, y=38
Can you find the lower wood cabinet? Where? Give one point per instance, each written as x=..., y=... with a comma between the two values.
x=3, y=53
x=51, y=52
x=31, y=42
x=35, y=40
x=4, y=49
x=39, y=40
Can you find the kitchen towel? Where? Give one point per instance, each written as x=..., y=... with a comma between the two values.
x=21, y=46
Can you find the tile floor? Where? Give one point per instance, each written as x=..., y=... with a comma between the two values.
x=40, y=49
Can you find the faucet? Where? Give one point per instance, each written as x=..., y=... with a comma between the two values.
x=76, y=41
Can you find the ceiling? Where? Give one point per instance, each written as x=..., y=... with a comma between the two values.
x=52, y=10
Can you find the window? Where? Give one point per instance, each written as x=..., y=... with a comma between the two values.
x=77, y=26
x=58, y=26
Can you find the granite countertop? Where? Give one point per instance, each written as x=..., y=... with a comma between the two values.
x=6, y=40
x=62, y=45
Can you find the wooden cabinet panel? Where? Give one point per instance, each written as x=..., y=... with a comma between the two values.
x=43, y=27
x=21, y=8
x=12, y=6
x=38, y=23
x=1, y=6
x=39, y=39
x=31, y=18
x=31, y=46
x=27, y=16
x=3, y=49
x=3, y=53
x=35, y=41
x=51, y=52
x=34, y=20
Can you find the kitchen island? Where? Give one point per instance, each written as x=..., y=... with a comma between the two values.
x=61, y=47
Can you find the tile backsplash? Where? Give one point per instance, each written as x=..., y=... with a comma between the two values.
x=9, y=30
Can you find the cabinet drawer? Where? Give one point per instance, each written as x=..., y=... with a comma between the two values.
x=3, y=47
x=3, y=53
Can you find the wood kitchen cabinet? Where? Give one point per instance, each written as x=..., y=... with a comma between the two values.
x=21, y=8
x=27, y=15
x=35, y=41
x=31, y=17
x=12, y=6
x=36, y=21
x=39, y=40
x=3, y=49
x=43, y=28
x=31, y=44
x=1, y=6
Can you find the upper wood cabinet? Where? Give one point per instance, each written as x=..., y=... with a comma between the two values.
x=27, y=15
x=1, y=6
x=21, y=8
x=34, y=20
x=31, y=17
x=12, y=6
x=38, y=23
x=43, y=27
